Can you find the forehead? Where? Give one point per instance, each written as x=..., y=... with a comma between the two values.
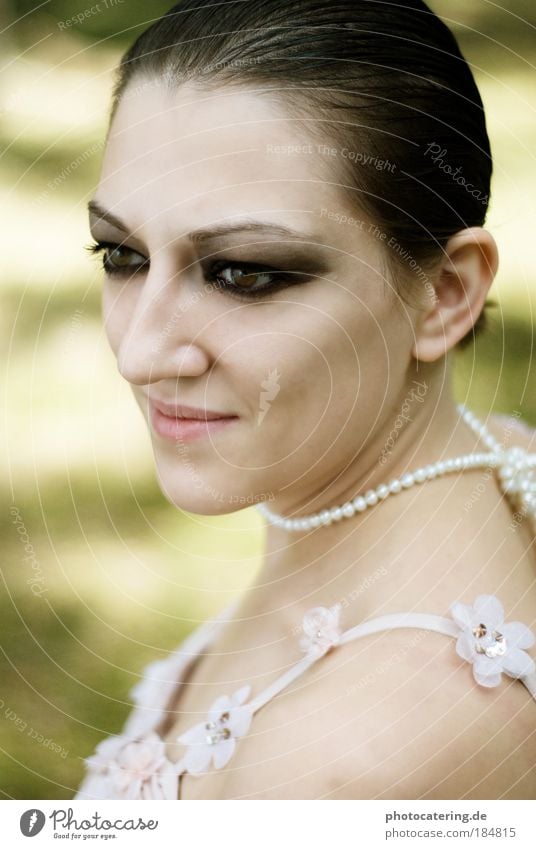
x=189, y=156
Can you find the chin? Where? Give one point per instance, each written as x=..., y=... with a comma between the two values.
x=195, y=495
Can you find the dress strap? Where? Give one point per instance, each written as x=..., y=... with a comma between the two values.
x=442, y=625
x=381, y=623
x=428, y=621
x=492, y=648
x=283, y=681
x=529, y=680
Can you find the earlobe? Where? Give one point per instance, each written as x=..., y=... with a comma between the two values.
x=461, y=285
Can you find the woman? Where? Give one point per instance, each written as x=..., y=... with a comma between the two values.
x=290, y=214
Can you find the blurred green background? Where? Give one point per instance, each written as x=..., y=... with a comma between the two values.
x=110, y=576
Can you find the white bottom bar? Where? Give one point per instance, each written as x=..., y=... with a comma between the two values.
x=237, y=824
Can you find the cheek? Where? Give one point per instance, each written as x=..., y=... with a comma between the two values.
x=301, y=380
x=335, y=355
x=330, y=378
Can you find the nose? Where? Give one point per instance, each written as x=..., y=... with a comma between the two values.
x=162, y=335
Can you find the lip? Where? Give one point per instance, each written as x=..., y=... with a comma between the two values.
x=178, y=422
x=182, y=411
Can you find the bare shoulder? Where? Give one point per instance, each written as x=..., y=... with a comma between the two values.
x=414, y=725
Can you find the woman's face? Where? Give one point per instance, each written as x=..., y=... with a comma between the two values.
x=308, y=369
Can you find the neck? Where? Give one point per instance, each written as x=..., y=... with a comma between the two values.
x=320, y=566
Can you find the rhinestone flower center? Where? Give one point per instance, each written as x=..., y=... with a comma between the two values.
x=218, y=730
x=489, y=642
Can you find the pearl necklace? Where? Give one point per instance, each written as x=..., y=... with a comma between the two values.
x=515, y=467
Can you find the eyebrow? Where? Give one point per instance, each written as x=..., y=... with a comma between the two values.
x=197, y=236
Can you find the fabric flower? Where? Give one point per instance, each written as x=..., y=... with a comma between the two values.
x=135, y=769
x=490, y=644
x=215, y=739
x=321, y=629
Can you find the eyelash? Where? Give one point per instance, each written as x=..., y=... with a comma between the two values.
x=211, y=272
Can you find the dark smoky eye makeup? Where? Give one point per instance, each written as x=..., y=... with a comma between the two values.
x=118, y=266
x=243, y=278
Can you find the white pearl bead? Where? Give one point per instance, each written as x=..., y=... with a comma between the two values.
x=336, y=514
x=348, y=509
x=382, y=491
x=407, y=480
x=395, y=485
x=325, y=517
x=420, y=475
x=359, y=503
x=371, y=498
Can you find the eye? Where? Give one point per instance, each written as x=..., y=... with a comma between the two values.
x=246, y=280
x=117, y=259
x=249, y=280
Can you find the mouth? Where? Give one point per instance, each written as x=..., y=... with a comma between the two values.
x=183, y=424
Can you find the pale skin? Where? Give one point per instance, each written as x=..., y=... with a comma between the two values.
x=348, y=353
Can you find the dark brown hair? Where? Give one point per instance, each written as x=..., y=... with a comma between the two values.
x=385, y=78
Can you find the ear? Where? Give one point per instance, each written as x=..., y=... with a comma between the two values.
x=461, y=284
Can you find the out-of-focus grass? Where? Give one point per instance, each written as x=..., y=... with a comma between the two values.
x=124, y=574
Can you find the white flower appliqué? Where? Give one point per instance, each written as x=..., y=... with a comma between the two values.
x=215, y=738
x=490, y=644
x=135, y=769
x=321, y=629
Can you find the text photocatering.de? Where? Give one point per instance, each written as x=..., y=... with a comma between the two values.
x=436, y=815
